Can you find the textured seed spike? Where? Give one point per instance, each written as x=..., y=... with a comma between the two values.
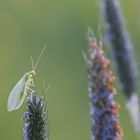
x=122, y=52
x=35, y=116
x=103, y=108
x=120, y=44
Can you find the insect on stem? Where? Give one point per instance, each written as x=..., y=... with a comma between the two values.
x=20, y=91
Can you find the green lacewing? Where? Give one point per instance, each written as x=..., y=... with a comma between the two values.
x=23, y=86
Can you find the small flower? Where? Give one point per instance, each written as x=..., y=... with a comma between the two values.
x=122, y=51
x=103, y=108
x=35, y=116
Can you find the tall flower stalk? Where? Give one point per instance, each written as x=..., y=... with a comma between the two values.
x=103, y=108
x=35, y=116
x=122, y=52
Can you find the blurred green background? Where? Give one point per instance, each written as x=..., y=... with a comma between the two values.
x=25, y=26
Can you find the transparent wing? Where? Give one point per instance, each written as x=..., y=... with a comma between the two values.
x=26, y=89
x=23, y=94
x=27, y=86
x=14, y=101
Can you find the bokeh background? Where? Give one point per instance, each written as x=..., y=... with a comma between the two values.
x=25, y=26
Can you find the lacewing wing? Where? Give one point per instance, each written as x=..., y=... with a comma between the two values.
x=14, y=99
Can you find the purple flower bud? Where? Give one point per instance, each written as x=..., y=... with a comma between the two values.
x=103, y=108
x=35, y=116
